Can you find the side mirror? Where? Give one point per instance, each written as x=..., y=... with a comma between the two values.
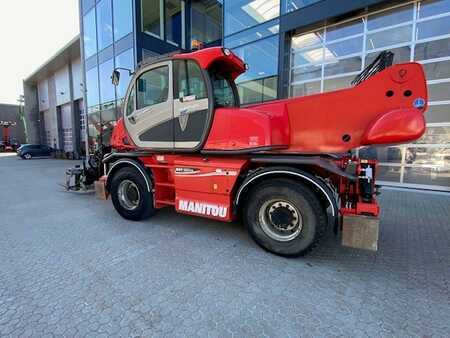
x=115, y=78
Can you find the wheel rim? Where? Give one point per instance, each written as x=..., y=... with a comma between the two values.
x=129, y=195
x=280, y=220
x=27, y=156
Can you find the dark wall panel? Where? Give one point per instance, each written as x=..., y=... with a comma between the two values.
x=10, y=113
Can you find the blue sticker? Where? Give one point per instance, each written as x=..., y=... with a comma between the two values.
x=419, y=103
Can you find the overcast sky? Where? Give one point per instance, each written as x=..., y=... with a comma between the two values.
x=31, y=31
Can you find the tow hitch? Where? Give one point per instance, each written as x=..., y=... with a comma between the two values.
x=82, y=178
x=360, y=212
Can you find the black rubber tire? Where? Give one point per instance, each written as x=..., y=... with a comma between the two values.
x=303, y=198
x=145, y=208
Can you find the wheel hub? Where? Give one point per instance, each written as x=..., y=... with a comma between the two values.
x=280, y=220
x=129, y=195
x=283, y=216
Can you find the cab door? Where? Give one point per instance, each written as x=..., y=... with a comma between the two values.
x=149, y=108
x=190, y=105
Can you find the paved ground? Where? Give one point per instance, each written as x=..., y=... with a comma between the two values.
x=70, y=266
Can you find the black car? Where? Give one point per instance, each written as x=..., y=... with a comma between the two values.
x=28, y=151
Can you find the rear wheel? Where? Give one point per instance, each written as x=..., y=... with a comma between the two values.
x=285, y=217
x=130, y=195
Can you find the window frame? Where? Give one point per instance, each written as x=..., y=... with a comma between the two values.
x=100, y=30
x=191, y=25
x=93, y=12
x=117, y=57
x=106, y=87
x=96, y=82
x=162, y=25
x=226, y=14
x=117, y=36
x=183, y=24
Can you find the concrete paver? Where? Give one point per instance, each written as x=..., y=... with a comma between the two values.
x=70, y=266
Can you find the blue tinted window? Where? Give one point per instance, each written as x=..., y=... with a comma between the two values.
x=152, y=11
x=206, y=21
x=104, y=24
x=123, y=18
x=259, y=83
x=432, y=28
x=92, y=87
x=124, y=60
x=252, y=34
x=389, y=18
x=433, y=7
x=261, y=90
x=242, y=14
x=107, y=92
x=173, y=20
x=293, y=5
x=90, y=35
x=87, y=5
x=262, y=58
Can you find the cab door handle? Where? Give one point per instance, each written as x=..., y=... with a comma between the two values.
x=136, y=116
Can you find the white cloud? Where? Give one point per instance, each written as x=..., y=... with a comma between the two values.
x=30, y=33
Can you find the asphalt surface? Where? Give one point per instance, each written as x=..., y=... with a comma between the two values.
x=70, y=266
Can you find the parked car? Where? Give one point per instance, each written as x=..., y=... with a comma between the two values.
x=28, y=151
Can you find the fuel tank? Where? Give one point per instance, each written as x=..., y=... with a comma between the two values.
x=387, y=108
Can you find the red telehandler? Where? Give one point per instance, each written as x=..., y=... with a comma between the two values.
x=6, y=144
x=284, y=167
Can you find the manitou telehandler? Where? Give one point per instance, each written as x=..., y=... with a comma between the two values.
x=284, y=167
x=6, y=145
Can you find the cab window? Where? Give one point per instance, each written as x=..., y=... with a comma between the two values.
x=130, y=103
x=188, y=80
x=223, y=91
x=153, y=87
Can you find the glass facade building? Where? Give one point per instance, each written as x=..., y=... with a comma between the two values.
x=251, y=30
x=302, y=47
x=328, y=58
x=121, y=33
x=108, y=42
x=292, y=47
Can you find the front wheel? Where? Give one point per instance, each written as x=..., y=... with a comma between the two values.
x=130, y=195
x=285, y=217
x=27, y=156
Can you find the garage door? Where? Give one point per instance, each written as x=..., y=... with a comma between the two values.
x=66, y=126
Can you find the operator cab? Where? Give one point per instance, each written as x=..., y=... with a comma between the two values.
x=170, y=103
